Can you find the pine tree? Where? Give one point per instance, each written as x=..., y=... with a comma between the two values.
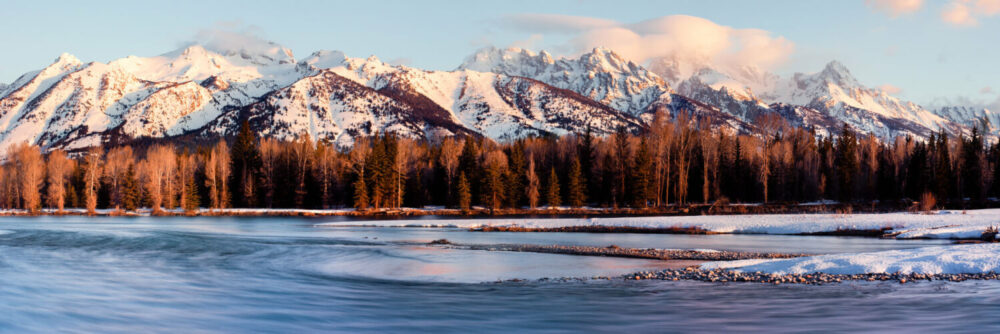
x=641, y=176
x=575, y=186
x=585, y=153
x=246, y=163
x=463, y=192
x=494, y=164
x=191, y=200
x=131, y=191
x=847, y=162
x=360, y=193
x=552, y=195
x=972, y=169
x=515, y=177
x=468, y=162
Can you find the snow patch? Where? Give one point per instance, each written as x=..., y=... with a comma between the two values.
x=959, y=259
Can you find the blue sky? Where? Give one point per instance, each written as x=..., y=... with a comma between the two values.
x=927, y=49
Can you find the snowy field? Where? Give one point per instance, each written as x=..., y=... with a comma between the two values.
x=939, y=225
x=957, y=259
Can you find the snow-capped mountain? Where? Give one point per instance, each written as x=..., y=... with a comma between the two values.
x=74, y=105
x=500, y=94
x=986, y=120
x=601, y=75
x=495, y=105
x=823, y=101
x=196, y=91
x=836, y=92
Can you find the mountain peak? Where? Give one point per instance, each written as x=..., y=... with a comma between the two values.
x=268, y=53
x=324, y=59
x=66, y=59
x=836, y=73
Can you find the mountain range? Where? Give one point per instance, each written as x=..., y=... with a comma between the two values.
x=502, y=94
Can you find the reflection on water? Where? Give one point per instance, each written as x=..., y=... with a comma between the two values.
x=282, y=275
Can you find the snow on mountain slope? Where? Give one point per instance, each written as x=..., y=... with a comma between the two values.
x=601, y=75
x=501, y=94
x=836, y=92
x=494, y=105
x=133, y=96
x=194, y=90
x=488, y=104
x=744, y=83
x=330, y=107
x=972, y=116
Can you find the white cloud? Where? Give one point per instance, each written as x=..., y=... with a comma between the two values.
x=986, y=90
x=895, y=8
x=528, y=43
x=681, y=37
x=967, y=13
x=988, y=7
x=958, y=13
x=890, y=89
x=234, y=36
x=556, y=22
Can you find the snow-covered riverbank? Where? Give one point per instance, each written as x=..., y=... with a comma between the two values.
x=956, y=259
x=940, y=225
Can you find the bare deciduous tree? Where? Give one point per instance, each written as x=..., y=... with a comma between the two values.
x=116, y=165
x=92, y=177
x=532, y=190
x=59, y=168
x=30, y=170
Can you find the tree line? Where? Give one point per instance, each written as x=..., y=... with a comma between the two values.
x=675, y=161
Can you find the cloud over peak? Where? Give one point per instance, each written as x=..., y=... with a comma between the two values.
x=678, y=37
x=234, y=37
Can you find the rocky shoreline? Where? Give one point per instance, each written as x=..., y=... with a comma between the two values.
x=616, y=251
x=722, y=276
x=694, y=273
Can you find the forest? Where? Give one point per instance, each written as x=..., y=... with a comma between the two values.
x=673, y=162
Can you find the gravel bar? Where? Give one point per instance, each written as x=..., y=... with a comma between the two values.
x=722, y=275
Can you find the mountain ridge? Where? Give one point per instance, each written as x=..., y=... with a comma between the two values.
x=497, y=93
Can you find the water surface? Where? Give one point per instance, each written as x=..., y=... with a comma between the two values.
x=222, y=274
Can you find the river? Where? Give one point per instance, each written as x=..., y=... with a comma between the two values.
x=253, y=274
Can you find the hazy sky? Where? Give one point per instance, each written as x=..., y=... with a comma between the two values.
x=921, y=50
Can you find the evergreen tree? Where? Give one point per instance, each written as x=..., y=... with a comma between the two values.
x=641, y=177
x=942, y=171
x=972, y=169
x=575, y=185
x=131, y=190
x=552, y=196
x=191, y=200
x=585, y=153
x=246, y=162
x=492, y=186
x=463, y=192
x=360, y=193
x=515, y=177
x=847, y=163
x=468, y=163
